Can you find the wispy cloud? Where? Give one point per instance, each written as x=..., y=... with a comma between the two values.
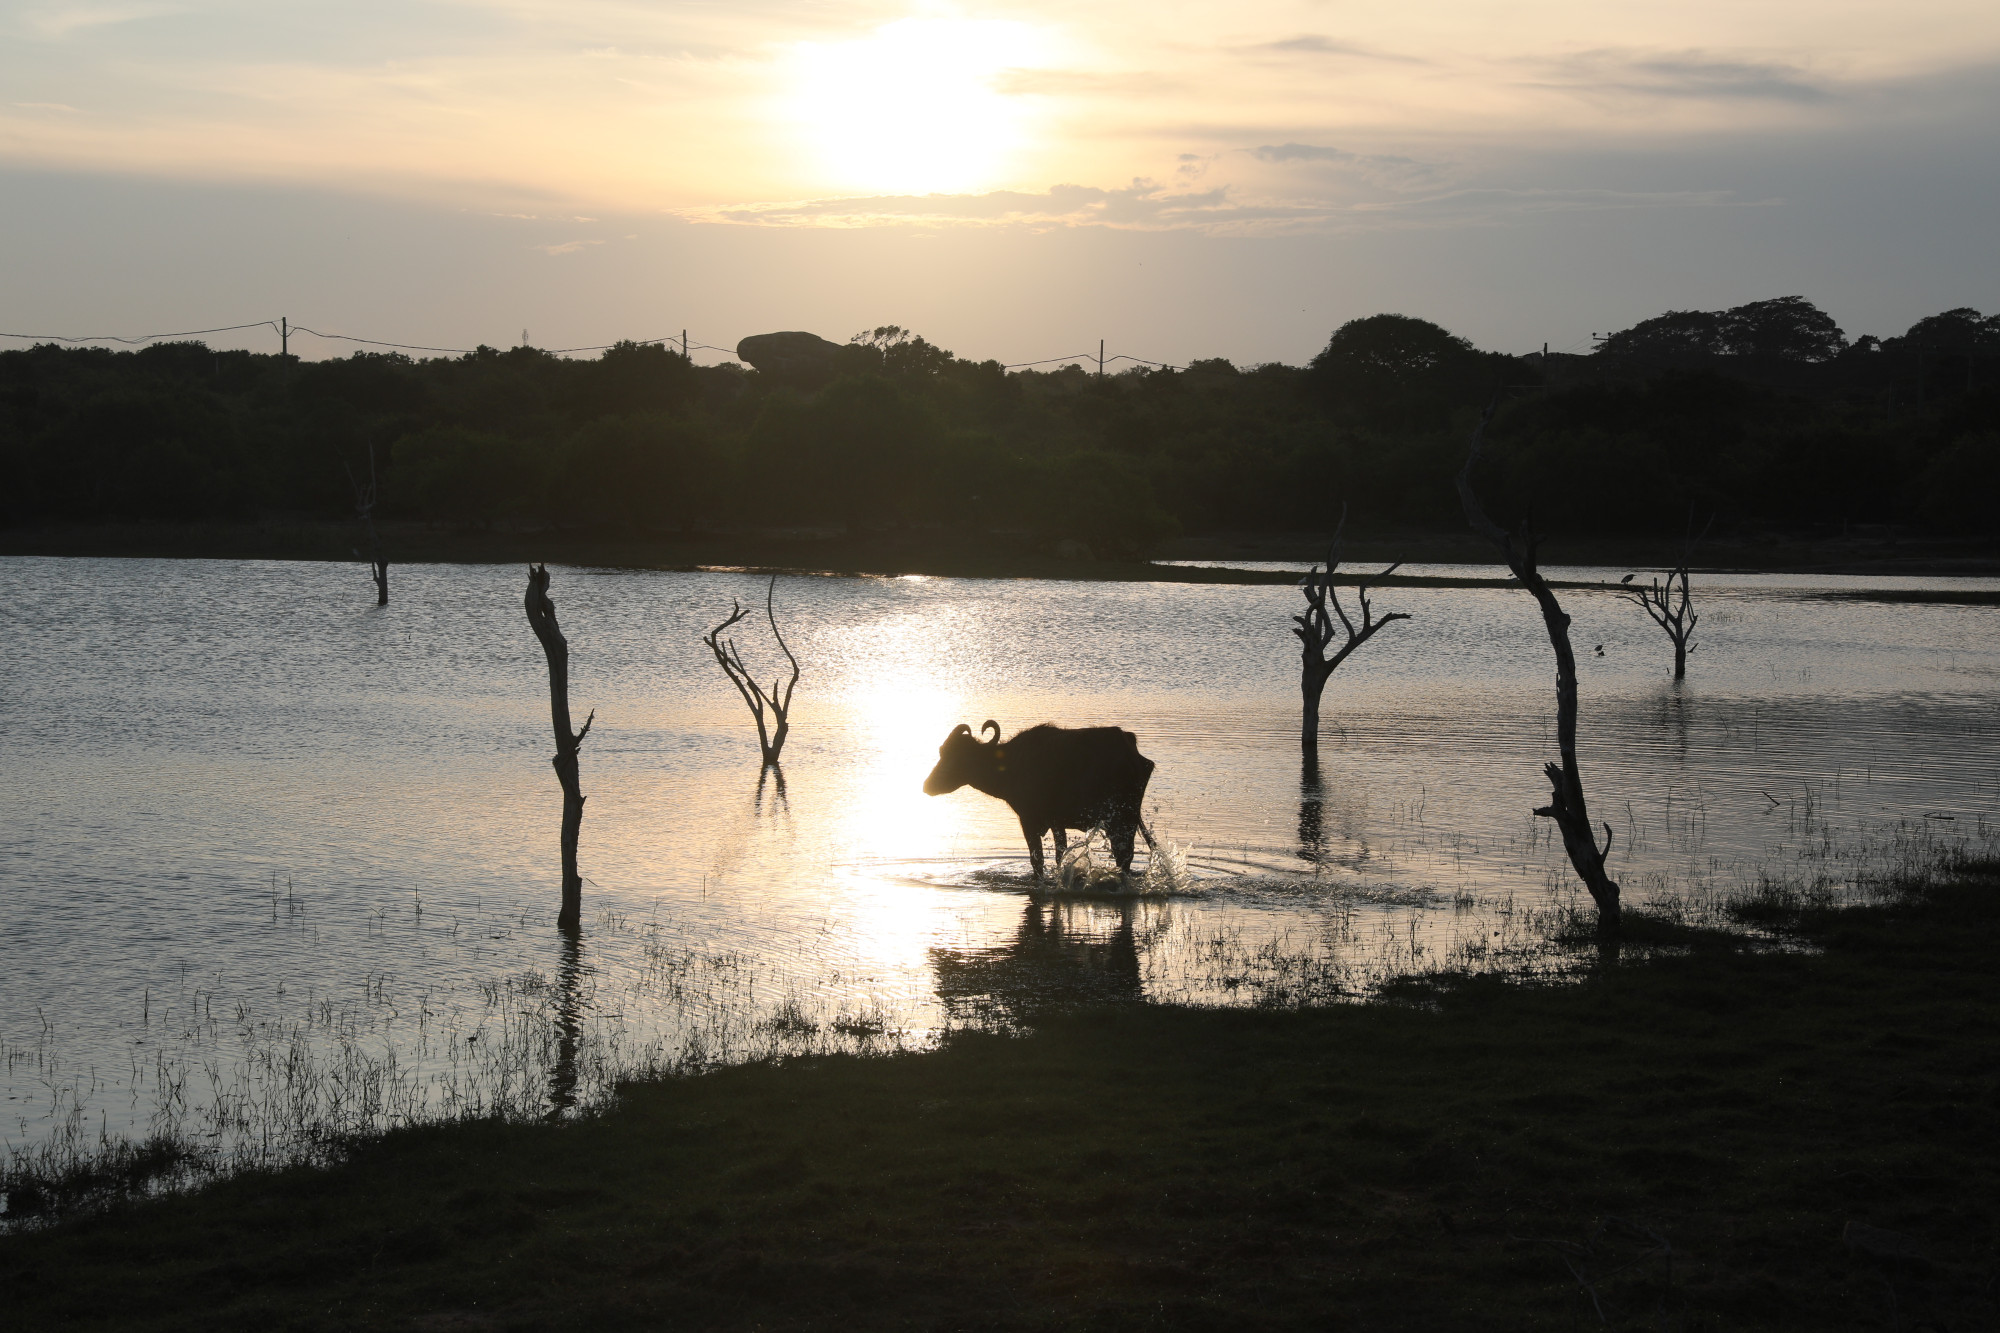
x=1143, y=203
x=55, y=22
x=1384, y=170
x=1318, y=44
x=1693, y=75
x=565, y=247
x=1306, y=152
x=1149, y=206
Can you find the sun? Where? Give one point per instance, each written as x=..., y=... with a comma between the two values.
x=916, y=107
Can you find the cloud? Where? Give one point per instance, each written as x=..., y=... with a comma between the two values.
x=1143, y=203
x=1691, y=75
x=1316, y=44
x=1085, y=83
x=1379, y=169
x=1193, y=166
x=1493, y=204
x=565, y=247
x=57, y=23
x=46, y=106
x=1147, y=205
x=1302, y=152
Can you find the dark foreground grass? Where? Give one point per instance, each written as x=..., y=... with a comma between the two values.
x=1716, y=1140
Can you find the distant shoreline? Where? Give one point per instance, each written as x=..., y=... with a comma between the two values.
x=962, y=554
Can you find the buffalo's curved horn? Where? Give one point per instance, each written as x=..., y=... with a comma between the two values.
x=962, y=730
x=992, y=726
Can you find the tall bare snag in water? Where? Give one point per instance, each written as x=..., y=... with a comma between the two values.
x=542, y=618
x=1315, y=630
x=778, y=702
x=1670, y=604
x=1566, y=804
x=364, y=506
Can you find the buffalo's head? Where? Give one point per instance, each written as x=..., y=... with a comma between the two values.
x=962, y=758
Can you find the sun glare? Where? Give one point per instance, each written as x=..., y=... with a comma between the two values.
x=916, y=107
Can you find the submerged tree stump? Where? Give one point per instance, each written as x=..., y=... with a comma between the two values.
x=1315, y=631
x=775, y=703
x=1566, y=804
x=542, y=618
x=364, y=508
x=1671, y=604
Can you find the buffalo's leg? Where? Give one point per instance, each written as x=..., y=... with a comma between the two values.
x=1034, y=837
x=1121, y=834
x=1061, y=836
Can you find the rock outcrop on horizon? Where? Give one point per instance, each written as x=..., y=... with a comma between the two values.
x=802, y=360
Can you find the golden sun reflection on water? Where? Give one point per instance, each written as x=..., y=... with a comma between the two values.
x=899, y=727
x=890, y=833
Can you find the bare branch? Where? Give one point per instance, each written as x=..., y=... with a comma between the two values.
x=541, y=613
x=775, y=704
x=1670, y=604
x=1566, y=801
x=769, y=591
x=1315, y=630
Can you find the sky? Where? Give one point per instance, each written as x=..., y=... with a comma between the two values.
x=1014, y=181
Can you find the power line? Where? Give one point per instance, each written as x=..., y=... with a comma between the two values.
x=271, y=324
x=1017, y=365
x=376, y=342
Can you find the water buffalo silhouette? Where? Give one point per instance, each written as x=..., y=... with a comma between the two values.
x=1056, y=779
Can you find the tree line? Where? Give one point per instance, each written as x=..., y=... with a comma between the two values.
x=1766, y=414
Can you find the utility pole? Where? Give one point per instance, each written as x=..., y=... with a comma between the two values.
x=1100, y=358
x=284, y=336
x=684, y=347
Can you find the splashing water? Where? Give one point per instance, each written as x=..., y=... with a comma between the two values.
x=1090, y=866
x=1167, y=867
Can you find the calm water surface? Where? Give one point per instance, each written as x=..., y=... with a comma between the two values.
x=277, y=861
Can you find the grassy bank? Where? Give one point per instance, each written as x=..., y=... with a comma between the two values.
x=1721, y=1138
x=959, y=553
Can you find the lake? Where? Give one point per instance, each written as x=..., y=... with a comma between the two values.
x=280, y=864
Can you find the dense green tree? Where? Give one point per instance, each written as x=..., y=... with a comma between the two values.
x=1393, y=370
x=1761, y=413
x=1679, y=337
x=1788, y=328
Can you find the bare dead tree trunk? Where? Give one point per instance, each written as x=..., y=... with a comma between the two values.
x=1670, y=604
x=364, y=506
x=778, y=702
x=1315, y=631
x=542, y=618
x=1566, y=804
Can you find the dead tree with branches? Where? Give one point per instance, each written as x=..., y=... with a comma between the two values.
x=1315, y=631
x=776, y=704
x=1566, y=804
x=364, y=507
x=1669, y=603
x=542, y=618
